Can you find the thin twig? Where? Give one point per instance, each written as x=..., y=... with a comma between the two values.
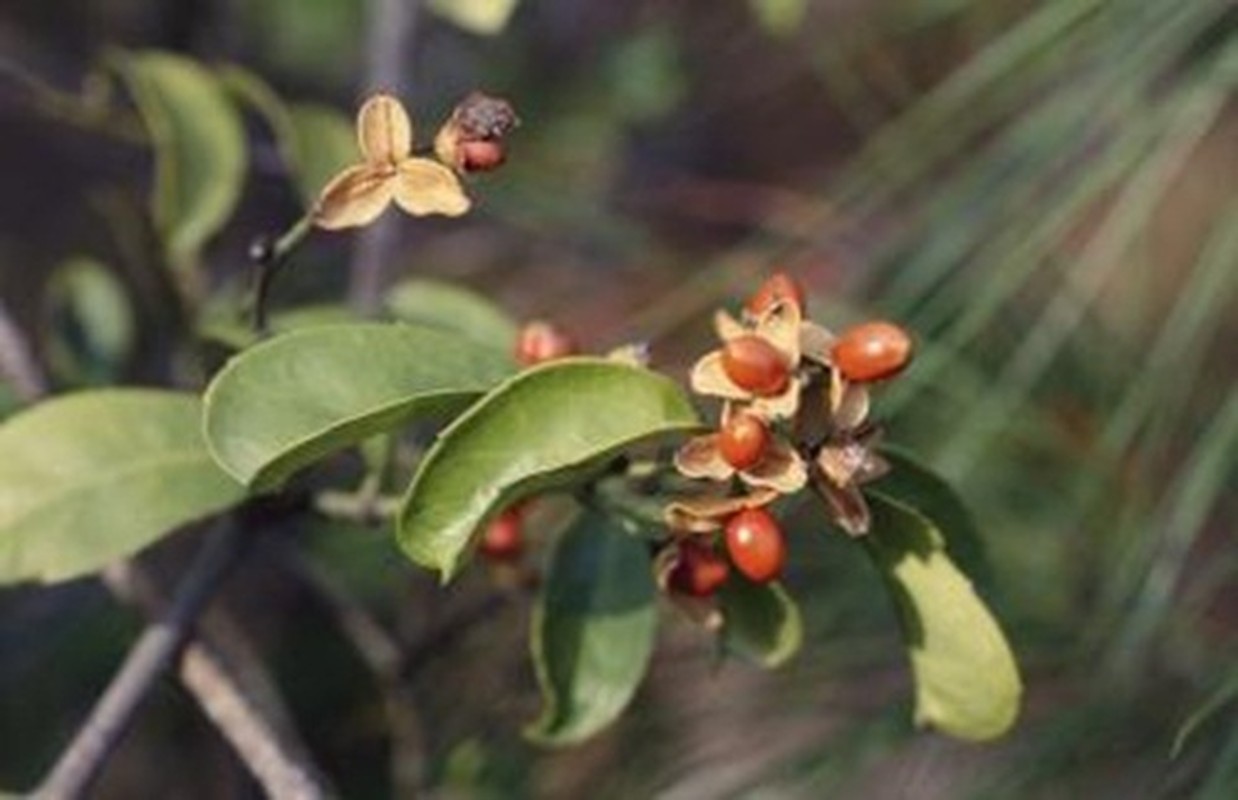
x=269, y=257
x=80, y=764
x=236, y=692
x=392, y=30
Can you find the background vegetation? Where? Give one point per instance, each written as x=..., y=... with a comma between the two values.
x=1043, y=192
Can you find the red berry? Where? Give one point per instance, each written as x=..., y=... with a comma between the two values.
x=756, y=545
x=480, y=155
x=503, y=540
x=871, y=351
x=540, y=341
x=779, y=286
x=755, y=364
x=743, y=440
x=699, y=570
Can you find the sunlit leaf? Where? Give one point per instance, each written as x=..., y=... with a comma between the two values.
x=967, y=682
x=760, y=622
x=199, y=148
x=544, y=429
x=913, y=484
x=89, y=326
x=294, y=399
x=593, y=630
x=438, y=304
x=92, y=477
x=484, y=17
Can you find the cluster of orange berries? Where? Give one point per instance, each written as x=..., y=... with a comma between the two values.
x=536, y=342
x=795, y=413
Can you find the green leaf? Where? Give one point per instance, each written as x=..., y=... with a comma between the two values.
x=225, y=328
x=438, y=304
x=89, y=325
x=294, y=399
x=779, y=17
x=315, y=141
x=546, y=428
x=593, y=630
x=92, y=477
x=967, y=682
x=199, y=148
x=912, y=484
x=483, y=17
x=761, y=622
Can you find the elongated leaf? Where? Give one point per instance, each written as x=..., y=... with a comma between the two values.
x=199, y=148
x=287, y=402
x=760, y=622
x=315, y=141
x=437, y=304
x=911, y=483
x=484, y=17
x=92, y=477
x=593, y=630
x=967, y=682
x=88, y=321
x=546, y=428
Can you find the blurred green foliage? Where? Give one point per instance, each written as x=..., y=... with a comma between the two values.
x=1043, y=192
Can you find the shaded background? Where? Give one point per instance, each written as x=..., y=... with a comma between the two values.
x=1043, y=192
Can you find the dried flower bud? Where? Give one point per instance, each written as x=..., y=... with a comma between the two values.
x=471, y=139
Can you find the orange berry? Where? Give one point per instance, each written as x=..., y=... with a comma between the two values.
x=756, y=545
x=871, y=351
x=754, y=364
x=743, y=440
x=540, y=341
x=503, y=539
x=699, y=571
x=779, y=286
x=480, y=155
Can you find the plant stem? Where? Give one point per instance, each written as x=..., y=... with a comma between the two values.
x=269, y=258
x=80, y=764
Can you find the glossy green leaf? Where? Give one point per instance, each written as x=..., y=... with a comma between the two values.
x=760, y=622
x=967, y=682
x=288, y=402
x=484, y=17
x=315, y=141
x=593, y=630
x=438, y=304
x=88, y=323
x=911, y=483
x=92, y=477
x=546, y=428
x=199, y=148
